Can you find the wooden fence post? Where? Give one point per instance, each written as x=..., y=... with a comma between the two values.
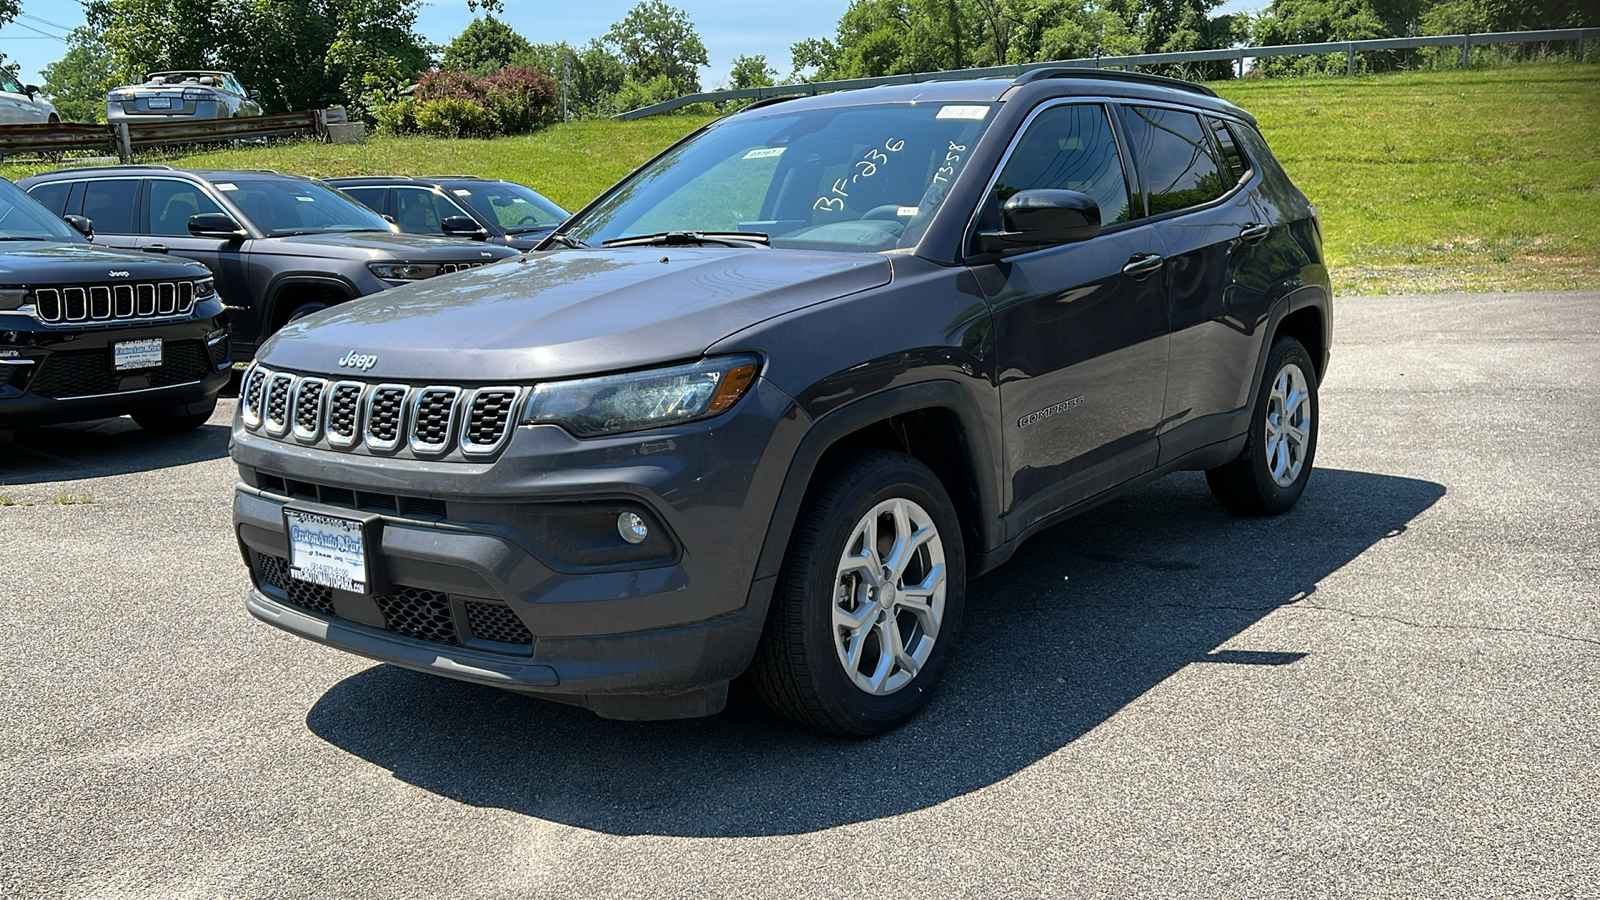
x=122, y=142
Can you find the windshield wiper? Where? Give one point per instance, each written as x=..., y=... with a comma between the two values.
x=685, y=238
x=567, y=239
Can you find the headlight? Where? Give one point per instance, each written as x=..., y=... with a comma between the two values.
x=403, y=271
x=634, y=401
x=13, y=298
x=205, y=287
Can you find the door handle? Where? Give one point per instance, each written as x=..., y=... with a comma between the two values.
x=1141, y=265
x=156, y=248
x=1253, y=233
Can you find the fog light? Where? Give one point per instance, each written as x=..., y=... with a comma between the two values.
x=632, y=528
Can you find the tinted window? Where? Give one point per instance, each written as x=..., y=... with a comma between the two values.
x=419, y=211
x=516, y=208
x=370, y=197
x=109, y=204
x=292, y=206
x=1232, y=158
x=52, y=194
x=23, y=219
x=1175, y=158
x=1069, y=148
x=173, y=202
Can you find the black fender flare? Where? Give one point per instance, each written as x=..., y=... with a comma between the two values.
x=280, y=284
x=1310, y=296
x=831, y=428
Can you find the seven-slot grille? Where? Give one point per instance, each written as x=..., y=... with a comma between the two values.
x=113, y=302
x=430, y=420
x=447, y=268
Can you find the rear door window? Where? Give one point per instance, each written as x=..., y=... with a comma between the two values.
x=109, y=203
x=53, y=195
x=1174, y=157
x=173, y=202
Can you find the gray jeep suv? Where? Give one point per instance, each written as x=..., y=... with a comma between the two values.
x=766, y=405
x=281, y=246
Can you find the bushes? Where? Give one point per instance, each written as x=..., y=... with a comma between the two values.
x=446, y=103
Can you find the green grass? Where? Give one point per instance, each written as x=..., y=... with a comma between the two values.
x=1428, y=181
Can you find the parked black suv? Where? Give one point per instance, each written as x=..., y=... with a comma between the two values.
x=768, y=403
x=281, y=246
x=500, y=212
x=87, y=333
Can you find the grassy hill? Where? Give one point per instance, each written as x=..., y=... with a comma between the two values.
x=1429, y=181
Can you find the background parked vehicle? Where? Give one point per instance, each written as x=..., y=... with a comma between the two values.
x=183, y=94
x=765, y=404
x=502, y=212
x=88, y=332
x=22, y=104
x=282, y=246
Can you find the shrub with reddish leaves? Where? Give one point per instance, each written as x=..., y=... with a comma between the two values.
x=512, y=101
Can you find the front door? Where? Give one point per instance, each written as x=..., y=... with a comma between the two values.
x=1081, y=328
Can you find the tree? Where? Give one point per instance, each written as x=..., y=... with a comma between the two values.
x=8, y=11
x=485, y=45
x=752, y=71
x=78, y=82
x=657, y=40
x=596, y=73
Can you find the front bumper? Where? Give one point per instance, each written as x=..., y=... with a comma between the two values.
x=50, y=375
x=512, y=573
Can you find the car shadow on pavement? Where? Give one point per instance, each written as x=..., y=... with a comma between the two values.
x=102, y=447
x=1085, y=619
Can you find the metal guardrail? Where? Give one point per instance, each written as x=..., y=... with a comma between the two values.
x=1239, y=54
x=123, y=137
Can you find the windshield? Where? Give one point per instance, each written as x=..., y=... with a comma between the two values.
x=22, y=218
x=858, y=178
x=286, y=207
x=515, y=208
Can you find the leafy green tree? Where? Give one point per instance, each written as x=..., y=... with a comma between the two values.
x=484, y=46
x=657, y=40
x=596, y=74
x=77, y=83
x=8, y=11
x=752, y=71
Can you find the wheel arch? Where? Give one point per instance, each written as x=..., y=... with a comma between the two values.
x=288, y=292
x=937, y=423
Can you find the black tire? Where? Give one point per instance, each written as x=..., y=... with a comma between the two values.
x=165, y=421
x=799, y=669
x=1247, y=484
x=305, y=309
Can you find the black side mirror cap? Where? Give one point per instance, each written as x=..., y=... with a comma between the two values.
x=1041, y=217
x=216, y=225
x=253, y=95
x=463, y=226
x=80, y=225
x=32, y=90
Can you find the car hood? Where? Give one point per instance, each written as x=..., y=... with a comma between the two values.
x=52, y=262
x=569, y=312
x=382, y=245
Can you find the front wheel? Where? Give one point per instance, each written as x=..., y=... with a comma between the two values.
x=1270, y=473
x=868, y=602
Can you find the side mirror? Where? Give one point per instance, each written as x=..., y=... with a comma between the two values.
x=80, y=225
x=253, y=95
x=216, y=225
x=1041, y=217
x=464, y=226
x=32, y=90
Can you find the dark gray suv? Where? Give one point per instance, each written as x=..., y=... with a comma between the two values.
x=281, y=246
x=769, y=403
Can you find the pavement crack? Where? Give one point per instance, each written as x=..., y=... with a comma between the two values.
x=1449, y=627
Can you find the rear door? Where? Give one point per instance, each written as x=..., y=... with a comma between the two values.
x=170, y=203
x=1080, y=328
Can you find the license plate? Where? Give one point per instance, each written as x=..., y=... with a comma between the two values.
x=141, y=354
x=328, y=550
x=160, y=102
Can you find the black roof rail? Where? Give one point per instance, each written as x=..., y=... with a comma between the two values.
x=102, y=168
x=1033, y=75
x=769, y=101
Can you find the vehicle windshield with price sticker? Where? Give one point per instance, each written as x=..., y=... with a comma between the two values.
x=88, y=332
x=765, y=406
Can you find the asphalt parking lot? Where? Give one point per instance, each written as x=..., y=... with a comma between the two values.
x=1392, y=691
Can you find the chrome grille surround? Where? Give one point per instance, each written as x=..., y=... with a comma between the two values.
x=344, y=414
x=252, y=391
x=428, y=422
x=432, y=414
x=275, y=409
x=385, y=416
x=71, y=304
x=487, y=422
x=306, y=423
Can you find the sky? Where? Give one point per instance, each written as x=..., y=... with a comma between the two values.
x=728, y=29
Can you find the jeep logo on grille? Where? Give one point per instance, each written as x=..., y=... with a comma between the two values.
x=362, y=361
x=116, y=274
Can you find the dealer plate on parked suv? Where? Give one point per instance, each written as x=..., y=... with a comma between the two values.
x=764, y=407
